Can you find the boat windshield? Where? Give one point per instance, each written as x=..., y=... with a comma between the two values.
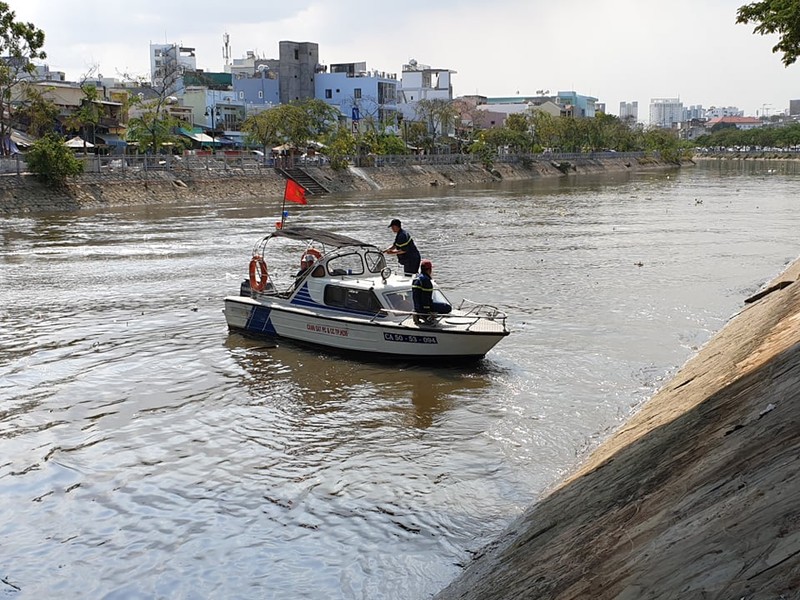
x=346, y=264
x=376, y=262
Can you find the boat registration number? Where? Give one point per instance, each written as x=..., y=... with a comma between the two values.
x=413, y=339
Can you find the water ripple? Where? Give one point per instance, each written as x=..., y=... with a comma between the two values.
x=148, y=453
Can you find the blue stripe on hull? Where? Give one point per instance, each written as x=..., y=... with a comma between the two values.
x=259, y=321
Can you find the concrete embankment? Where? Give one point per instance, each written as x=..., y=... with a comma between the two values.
x=25, y=194
x=696, y=496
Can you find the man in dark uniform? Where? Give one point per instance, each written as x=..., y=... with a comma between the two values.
x=404, y=248
x=422, y=291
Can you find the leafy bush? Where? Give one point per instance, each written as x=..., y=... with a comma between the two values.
x=52, y=160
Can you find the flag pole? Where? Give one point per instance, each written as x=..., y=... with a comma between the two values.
x=283, y=206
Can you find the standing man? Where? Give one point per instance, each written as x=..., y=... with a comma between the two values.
x=422, y=291
x=404, y=248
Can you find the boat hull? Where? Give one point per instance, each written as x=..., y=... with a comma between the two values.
x=382, y=336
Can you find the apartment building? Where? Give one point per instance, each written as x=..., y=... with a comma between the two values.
x=666, y=113
x=358, y=92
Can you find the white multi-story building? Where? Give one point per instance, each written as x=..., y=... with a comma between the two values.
x=695, y=112
x=168, y=62
x=717, y=112
x=666, y=112
x=421, y=82
x=629, y=111
x=251, y=65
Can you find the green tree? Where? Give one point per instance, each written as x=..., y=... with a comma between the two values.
x=663, y=141
x=154, y=128
x=52, y=161
x=416, y=134
x=391, y=144
x=341, y=145
x=296, y=124
x=519, y=127
x=87, y=116
x=439, y=116
x=262, y=128
x=776, y=16
x=323, y=119
x=546, y=130
x=283, y=124
x=20, y=43
x=153, y=125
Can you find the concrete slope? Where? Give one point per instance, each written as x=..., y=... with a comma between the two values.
x=697, y=496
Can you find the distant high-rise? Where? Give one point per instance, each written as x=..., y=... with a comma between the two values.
x=629, y=111
x=794, y=107
x=666, y=112
x=695, y=112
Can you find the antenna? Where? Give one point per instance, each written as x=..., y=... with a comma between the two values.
x=226, y=48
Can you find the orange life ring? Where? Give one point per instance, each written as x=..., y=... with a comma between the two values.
x=258, y=274
x=312, y=252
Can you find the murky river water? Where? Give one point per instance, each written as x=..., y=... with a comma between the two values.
x=147, y=453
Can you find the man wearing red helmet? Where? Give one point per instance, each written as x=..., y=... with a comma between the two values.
x=422, y=292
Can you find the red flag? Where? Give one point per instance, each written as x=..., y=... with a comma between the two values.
x=294, y=192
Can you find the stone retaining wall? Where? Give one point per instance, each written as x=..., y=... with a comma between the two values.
x=696, y=496
x=25, y=194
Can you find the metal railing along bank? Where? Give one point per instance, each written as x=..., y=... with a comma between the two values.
x=250, y=163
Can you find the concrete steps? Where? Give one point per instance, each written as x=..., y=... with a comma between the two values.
x=312, y=186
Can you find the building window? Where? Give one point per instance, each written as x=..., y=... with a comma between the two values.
x=260, y=94
x=296, y=54
x=329, y=94
x=241, y=95
x=357, y=93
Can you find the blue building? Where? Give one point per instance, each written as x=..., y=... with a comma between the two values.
x=261, y=89
x=359, y=93
x=582, y=106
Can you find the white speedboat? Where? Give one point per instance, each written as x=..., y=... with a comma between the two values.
x=346, y=298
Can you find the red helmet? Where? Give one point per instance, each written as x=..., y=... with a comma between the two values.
x=425, y=264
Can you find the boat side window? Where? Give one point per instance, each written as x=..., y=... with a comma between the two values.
x=346, y=264
x=400, y=301
x=319, y=271
x=375, y=261
x=352, y=299
x=335, y=296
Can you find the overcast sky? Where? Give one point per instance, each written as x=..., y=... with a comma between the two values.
x=614, y=50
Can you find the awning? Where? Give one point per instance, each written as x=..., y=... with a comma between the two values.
x=22, y=139
x=78, y=142
x=111, y=140
x=198, y=136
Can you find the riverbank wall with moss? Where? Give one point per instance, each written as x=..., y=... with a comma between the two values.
x=696, y=496
x=24, y=193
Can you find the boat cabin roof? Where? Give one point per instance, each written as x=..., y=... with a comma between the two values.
x=318, y=235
